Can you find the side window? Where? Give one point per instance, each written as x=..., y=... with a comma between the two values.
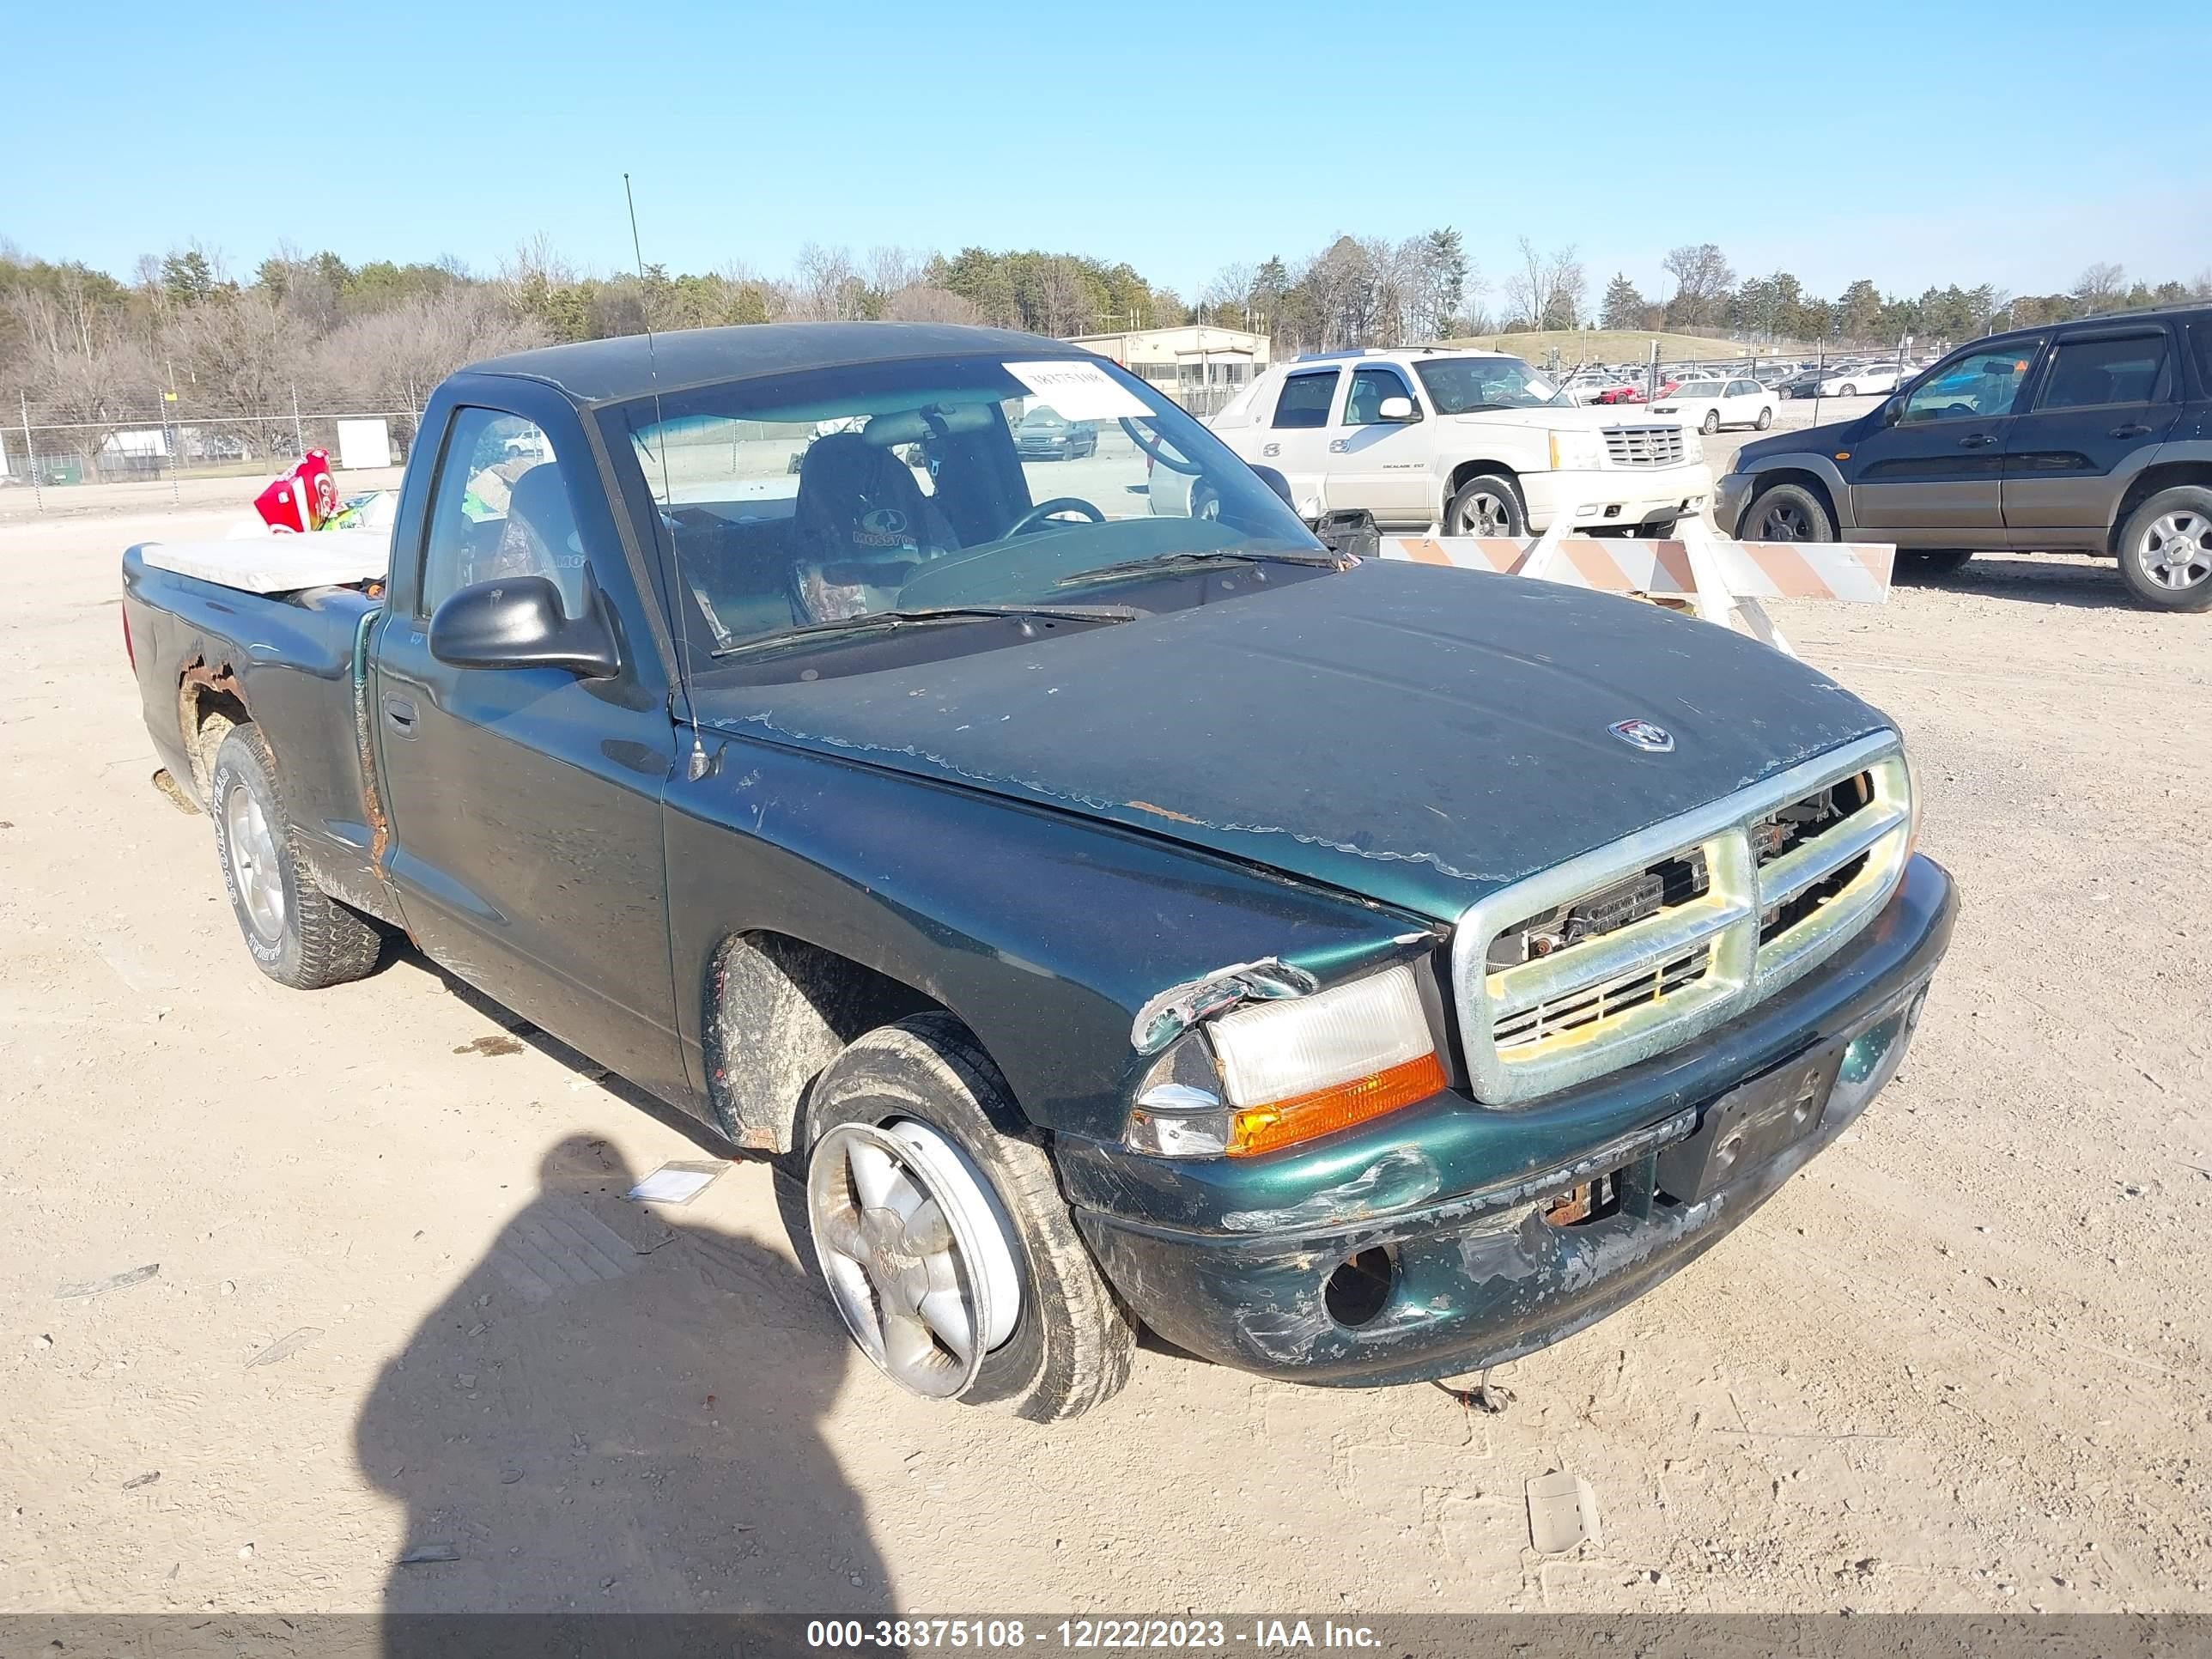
x=500, y=508
x=1362, y=404
x=1974, y=387
x=2200, y=343
x=2129, y=369
x=1305, y=398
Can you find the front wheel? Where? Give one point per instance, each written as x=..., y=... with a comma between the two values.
x=1928, y=564
x=1847, y=390
x=1488, y=504
x=1765, y=419
x=1787, y=513
x=938, y=1224
x=1711, y=423
x=2165, y=550
x=298, y=934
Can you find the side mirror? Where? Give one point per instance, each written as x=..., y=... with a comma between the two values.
x=1396, y=409
x=1893, y=411
x=1276, y=481
x=517, y=622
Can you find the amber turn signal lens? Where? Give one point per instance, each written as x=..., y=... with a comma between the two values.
x=1305, y=1117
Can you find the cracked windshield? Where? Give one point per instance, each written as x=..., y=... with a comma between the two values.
x=839, y=499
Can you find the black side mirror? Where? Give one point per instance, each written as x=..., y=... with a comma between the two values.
x=1276, y=481
x=517, y=622
x=1893, y=411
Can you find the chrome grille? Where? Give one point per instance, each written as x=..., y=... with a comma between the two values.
x=1533, y=1027
x=1592, y=1003
x=1644, y=446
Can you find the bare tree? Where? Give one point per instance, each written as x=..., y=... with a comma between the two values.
x=921, y=303
x=824, y=286
x=384, y=360
x=1065, y=298
x=84, y=371
x=1228, y=297
x=1546, y=289
x=890, y=268
x=1702, y=281
x=2101, y=286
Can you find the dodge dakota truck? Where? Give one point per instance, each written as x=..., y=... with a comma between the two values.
x=1356, y=972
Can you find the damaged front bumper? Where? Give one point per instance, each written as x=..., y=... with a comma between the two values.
x=1393, y=1255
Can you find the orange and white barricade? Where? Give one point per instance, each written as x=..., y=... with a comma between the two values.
x=1720, y=580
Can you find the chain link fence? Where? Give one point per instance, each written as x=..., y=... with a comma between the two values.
x=159, y=436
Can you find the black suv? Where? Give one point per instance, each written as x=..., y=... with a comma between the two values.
x=2088, y=436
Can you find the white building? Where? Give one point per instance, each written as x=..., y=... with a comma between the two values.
x=1183, y=361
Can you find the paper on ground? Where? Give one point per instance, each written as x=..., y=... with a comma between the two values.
x=676, y=1184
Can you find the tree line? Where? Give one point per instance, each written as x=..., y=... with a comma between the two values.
x=94, y=351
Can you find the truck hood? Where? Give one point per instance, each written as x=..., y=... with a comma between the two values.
x=1581, y=417
x=1416, y=735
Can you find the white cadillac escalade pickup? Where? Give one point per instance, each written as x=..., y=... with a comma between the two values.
x=1474, y=440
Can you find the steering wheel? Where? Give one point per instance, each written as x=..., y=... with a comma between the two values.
x=1035, y=518
x=1155, y=451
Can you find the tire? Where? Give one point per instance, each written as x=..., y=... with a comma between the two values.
x=297, y=933
x=1765, y=419
x=1932, y=564
x=1487, y=504
x=1847, y=390
x=2165, y=550
x=1070, y=1344
x=1711, y=423
x=1786, y=512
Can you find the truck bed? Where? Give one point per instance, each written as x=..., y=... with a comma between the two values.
x=278, y=564
x=210, y=655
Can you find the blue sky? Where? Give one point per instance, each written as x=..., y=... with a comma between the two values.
x=1913, y=143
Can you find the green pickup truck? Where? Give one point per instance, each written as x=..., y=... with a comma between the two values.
x=1358, y=972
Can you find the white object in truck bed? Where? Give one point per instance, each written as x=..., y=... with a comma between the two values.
x=279, y=564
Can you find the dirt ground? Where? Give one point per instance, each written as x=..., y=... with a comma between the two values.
x=1957, y=1364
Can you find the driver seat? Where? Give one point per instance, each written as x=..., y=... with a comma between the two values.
x=858, y=503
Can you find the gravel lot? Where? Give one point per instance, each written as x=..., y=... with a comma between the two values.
x=1957, y=1364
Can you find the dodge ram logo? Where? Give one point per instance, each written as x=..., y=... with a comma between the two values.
x=1643, y=735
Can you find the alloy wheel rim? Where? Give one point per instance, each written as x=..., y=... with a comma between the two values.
x=1485, y=514
x=2176, y=550
x=919, y=1256
x=1782, y=523
x=252, y=852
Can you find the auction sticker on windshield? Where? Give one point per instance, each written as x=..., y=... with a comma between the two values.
x=1080, y=391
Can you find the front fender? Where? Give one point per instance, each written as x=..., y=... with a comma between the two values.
x=1800, y=460
x=1042, y=930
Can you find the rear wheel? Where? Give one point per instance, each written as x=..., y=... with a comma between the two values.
x=2165, y=550
x=936, y=1222
x=1765, y=419
x=299, y=935
x=1488, y=504
x=1928, y=564
x=1787, y=513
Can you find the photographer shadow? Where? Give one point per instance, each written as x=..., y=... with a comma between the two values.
x=615, y=1412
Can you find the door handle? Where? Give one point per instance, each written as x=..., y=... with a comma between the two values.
x=400, y=715
x=1977, y=440
x=2131, y=431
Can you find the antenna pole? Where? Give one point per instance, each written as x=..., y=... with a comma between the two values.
x=679, y=592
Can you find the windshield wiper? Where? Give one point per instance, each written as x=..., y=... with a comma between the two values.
x=1155, y=563
x=882, y=621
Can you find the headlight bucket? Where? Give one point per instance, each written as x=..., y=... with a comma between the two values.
x=1291, y=1071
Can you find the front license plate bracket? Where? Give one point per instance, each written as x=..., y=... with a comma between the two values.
x=1750, y=1124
